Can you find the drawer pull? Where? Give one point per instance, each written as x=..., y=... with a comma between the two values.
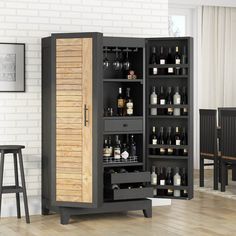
x=125, y=125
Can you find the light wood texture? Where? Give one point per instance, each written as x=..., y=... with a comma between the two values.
x=205, y=215
x=73, y=139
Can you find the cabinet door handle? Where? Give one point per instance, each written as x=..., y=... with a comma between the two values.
x=125, y=125
x=85, y=115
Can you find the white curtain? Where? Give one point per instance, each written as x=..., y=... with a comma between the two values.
x=217, y=83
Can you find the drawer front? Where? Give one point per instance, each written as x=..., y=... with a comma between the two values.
x=123, y=125
x=132, y=177
x=135, y=193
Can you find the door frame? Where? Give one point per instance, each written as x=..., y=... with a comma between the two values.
x=97, y=124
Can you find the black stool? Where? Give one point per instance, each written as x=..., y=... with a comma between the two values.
x=14, y=149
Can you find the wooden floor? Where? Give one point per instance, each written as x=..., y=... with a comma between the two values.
x=204, y=215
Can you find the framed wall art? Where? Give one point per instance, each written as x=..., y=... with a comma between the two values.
x=12, y=67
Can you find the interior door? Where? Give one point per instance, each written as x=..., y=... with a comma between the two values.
x=78, y=113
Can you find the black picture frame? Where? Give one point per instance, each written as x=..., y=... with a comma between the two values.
x=12, y=67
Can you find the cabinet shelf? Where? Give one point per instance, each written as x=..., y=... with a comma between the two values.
x=168, y=76
x=167, y=117
x=163, y=157
x=122, y=164
x=172, y=197
x=168, y=65
x=170, y=187
x=122, y=117
x=168, y=106
x=124, y=80
x=168, y=146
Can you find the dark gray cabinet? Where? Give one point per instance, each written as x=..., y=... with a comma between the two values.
x=76, y=178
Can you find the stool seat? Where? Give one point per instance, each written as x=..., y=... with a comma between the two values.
x=11, y=147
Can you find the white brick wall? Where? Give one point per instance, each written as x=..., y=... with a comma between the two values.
x=27, y=21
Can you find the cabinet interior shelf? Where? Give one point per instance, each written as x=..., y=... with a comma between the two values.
x=168, y=146
x=172, y=197
x=168, y=157
x=122, y=117
x=123, y=132
x=122, y=164
x=124, y=80
x=167, y=117
x=168, y=106
x=170, y=187
x=168, y=65
x=168, y=76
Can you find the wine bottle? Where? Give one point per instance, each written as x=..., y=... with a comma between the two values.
x=124, y=152
x=106, y=150
x=184, y=142
x=153, y=176
x=129, y=104
x=169, y=181
x=117, y=148
x=153, y=140
x=184, y=61
x=153, y=61
x=184, y=182
x=162, y=177
x=177, y=60
x=110, y=146
x=153, y=101
x=162, y=56
x=169, y=102
x=169, y=141
x=162, y=101
x=184, y=101
x=170, y=61
x=161, y=141
x=177, y=101
x=177, y=182
x=177, y=140
x=120, y=103
x=132, y=146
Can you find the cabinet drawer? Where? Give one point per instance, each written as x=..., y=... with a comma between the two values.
x=123, y=125
x=134, y=193
x=132, y=177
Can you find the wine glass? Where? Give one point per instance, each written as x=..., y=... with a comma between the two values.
x=126, y=63
x=117, y=63
x=105, y=60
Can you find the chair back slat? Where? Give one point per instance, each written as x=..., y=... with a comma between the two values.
x=220, y=109
x=208, y=131
x=228, y=133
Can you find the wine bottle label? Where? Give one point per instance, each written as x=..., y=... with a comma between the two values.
x=154, y=101
x=154, y=180
x=162, y=182
x=154, y=191
x=177, y=61
x=178, y=181
x=110, y=151
x=177, y=142
x=169, y=191
x=125, y=154
x=185, y=110
x=178, y=100
x=117, y=153
x=162, y=101
x=170, y=110
x=106, y=152
x=185, y=151
x=162, y=150
x=129, y=106
x=170, y=150
x=162, y=61
x=121, y=103
x=154, y=142
x=154, y=71
x=170, y=70
x=153, y=111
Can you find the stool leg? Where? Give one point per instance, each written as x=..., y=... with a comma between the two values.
x=17, y=185
x=216, y=174
x=201, y=170
x=1, y=177
x=24, y=187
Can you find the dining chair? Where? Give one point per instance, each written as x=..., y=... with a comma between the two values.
x=208, y=144
x=228, y=145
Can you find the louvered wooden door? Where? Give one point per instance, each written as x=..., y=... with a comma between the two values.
x=74, y=122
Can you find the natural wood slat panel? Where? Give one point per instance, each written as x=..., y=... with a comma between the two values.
x=69, y=76
x=76, y=187
x=68, y=154
x=68, y=81
x=76, y=98
x=68, y=143
x=68, y=103
x=69, y=41
x=69, y=87
x=69, y=120
x=69, y=126
x=75, y=114
x=68, y=159
x=72, y=182
x=69, y=64
x=69, y=48
x=69, y=109
x=72, y=93
x=69, y=137
x=69, y=131
x=69, y=148
x=69, y=70
x=69, y=59
x=69, y=54
x=87, y=166
x=68, y=198
x=69, y=176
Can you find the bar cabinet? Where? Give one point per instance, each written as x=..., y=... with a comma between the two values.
x=81, y=76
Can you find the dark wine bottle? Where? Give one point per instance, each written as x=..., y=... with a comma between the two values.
x=184, y=182
x=161, y=141
x=169, y=141
x=153, y=61
x=162, y=100
x=177, y=60
x=129, y=105
x=170, y=60
x=132, y=146
x=184, y=142
x=184, y=61
x=169, y=101
x=177, y=140
x=184, y=101
x=153, y=140
x=120, y=103
x=162, y=56
x=169, y=181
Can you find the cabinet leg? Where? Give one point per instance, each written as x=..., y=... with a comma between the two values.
x=147, y=212
x=45, y=211
x=65, y=218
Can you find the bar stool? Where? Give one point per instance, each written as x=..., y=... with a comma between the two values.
x=14, y=149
